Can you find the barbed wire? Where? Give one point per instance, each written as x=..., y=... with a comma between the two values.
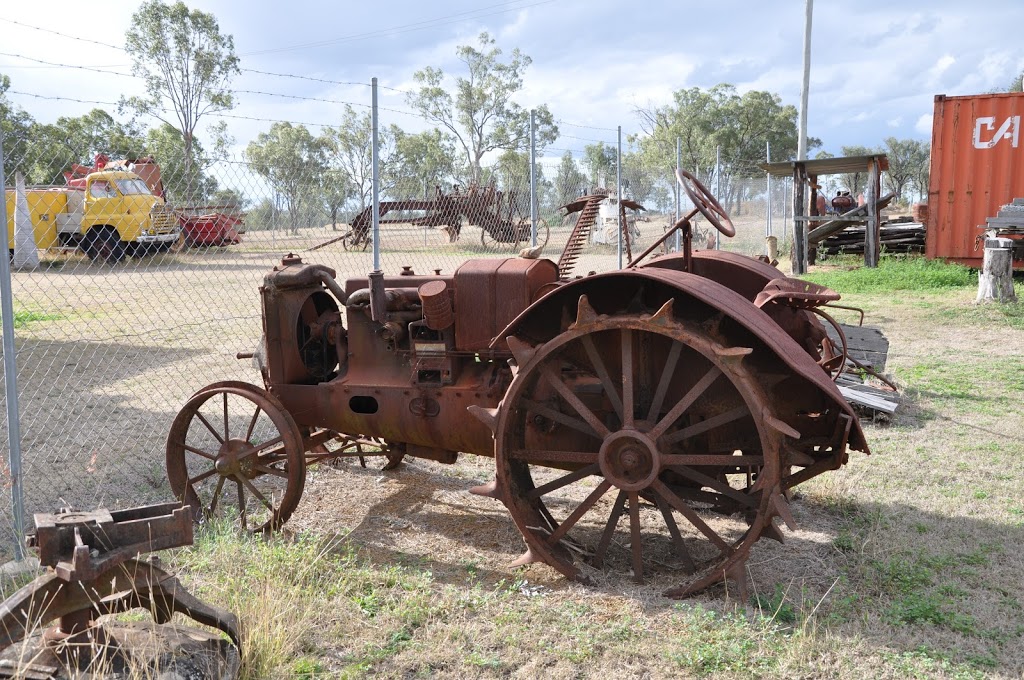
x=74, y=66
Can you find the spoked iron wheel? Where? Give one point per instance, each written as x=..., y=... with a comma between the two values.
x=356, y=446
x=234, y=451
x=639, y=415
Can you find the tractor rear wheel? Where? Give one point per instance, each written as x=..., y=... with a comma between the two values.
x=645, y=416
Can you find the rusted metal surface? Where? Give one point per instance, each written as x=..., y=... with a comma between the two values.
x=977, y=166
x=685, y=392
x=93, y=569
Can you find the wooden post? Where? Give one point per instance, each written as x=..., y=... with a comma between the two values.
x=872, y=233
x=995, y=280
x=798, y=256
x=813, y=211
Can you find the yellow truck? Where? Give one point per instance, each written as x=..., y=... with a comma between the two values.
x=112, y=215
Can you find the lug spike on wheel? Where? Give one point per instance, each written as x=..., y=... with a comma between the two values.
x=520, y=350
x=487, y=416
x=488, y=490
x=526, y=558
x=585, y=314
x=737, y=573
x=781, y=506
x=781, y=427
x=663, y=316
x=732, y=355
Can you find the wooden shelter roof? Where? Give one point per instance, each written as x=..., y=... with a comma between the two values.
x=826, y=166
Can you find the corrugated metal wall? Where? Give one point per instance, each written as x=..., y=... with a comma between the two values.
x=977, y=166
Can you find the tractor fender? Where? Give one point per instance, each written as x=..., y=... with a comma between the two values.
x=696, y=300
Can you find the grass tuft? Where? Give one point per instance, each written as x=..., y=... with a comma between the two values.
x=896, y=272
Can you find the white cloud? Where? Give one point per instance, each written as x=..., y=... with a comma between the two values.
x=924, y=124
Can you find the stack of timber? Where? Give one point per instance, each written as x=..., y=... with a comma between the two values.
x=1009, y=220
x=866, y=346
x=897, y=236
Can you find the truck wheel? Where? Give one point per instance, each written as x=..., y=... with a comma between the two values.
x=103, y=245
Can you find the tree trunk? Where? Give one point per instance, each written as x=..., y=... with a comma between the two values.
x=995, y=280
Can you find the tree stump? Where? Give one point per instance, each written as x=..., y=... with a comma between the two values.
x=995, y=280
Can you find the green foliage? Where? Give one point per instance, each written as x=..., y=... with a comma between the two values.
x=568, y=180
x=482, y=115
x=420, y=162
x=716, y=644
x=909, y=165
x=599, y=159
x=15, y=126
x=292, y=161
x=348, y=154
x=181, y=169
x=54, y=147
x=739, y=125
x=896, y=273
x=187, y=63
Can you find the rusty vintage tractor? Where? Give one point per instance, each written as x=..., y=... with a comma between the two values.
x=688, y=394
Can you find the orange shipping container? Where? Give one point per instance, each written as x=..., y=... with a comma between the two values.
x=977, y=166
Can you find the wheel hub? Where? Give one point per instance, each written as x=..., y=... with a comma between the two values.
x=630, y=460
x=229, y=459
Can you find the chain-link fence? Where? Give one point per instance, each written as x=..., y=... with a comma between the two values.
x=136, y=283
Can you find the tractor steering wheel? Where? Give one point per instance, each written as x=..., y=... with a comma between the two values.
x=707, y=204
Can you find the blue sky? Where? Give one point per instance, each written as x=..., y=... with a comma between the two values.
x=875, y=69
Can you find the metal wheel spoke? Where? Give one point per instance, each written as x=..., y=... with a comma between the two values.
x=742, y=461
x=673, y=530
x=558, y=417
x=691, y=515
x=686, y=402
x=216, y=494
x=257, y=448
x=199, y=452
x=241, y=505
x=254, y=491
x=609, y=529
x=206, y=475
x=269, y=470
x=544, y=457
x=564, y=480
x=227, y=432
x=602, y=374
x=209, y=427
x=668, y=370
x=252, y=423
x=574, y=401
x=578, y=513
x=635, y=547
x=716, y=484
x=709, y=424
x=627, y=377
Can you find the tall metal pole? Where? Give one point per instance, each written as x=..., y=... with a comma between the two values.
x=768, y=191
x=374, y=178
x=801, y=149
x=679, y=190
x=11, y=382
x=718, y=190
x=618, y=190
x=533, y=180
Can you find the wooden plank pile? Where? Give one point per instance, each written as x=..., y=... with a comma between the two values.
x=869, y=347
x=1009, y=220
x=897, y=236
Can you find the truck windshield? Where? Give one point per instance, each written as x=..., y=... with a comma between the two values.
x=133, y=187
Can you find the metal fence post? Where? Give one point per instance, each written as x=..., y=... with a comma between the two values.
x=374, y=177
x=533, y=180
x=768, y=192
x=618, y=190
x=679, y=190
x=718, y=190
x=11, y=379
